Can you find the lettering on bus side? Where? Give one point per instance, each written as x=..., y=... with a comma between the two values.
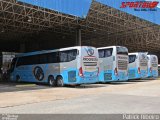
x=87, y=58
x=123, y=57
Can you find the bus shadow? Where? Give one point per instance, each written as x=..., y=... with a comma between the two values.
x=14, y=87
x=25, y=86
x=119, y=83
x=147, y=80
x=87, y=86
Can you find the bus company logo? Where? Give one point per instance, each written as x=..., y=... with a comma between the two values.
x=86, y=58
x=143, y=56
x=90, y=51
x=123, y=57
x=154, y=59
x=38, y=73
x=141, y=5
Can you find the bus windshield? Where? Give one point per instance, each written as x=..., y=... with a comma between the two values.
x=122, y=50
x=132, y=58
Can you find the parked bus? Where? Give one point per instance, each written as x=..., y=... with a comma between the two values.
x=152, y=66
x=5, y=63
x=113, y=63
x=138, y=65
x=73, y=66
x=158, y=70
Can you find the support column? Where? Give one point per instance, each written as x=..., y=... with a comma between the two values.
x=78, y=37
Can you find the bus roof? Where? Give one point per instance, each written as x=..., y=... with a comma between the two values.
x=110, y=47
x=136, y=53
x=151, y=55
x=47, y=51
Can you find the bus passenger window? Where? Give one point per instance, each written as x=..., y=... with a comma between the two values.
x=132, y=58
x=72, y=55
x=108, y=52
x=63, y=57
x=101, y=53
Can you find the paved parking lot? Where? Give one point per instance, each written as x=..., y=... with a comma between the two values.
x=142, y=96
x=14, y=87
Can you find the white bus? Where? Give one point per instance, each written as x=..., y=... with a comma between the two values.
x=152, y=66
x=138, y=65
x=158, y=70
x=73, y=66
x=113, y=63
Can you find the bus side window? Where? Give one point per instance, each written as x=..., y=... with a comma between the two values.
x=105, y=52
x=132, y=58
x=63, y=57
x=72, y=55
x=43, y=59
x=101, y=53
x=108, y=52
x=57, y=57
x=67, y=56
x=53, y=57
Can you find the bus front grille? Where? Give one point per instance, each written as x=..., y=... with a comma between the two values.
x=122, y=65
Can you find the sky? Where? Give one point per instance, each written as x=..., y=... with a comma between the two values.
x=155, y=0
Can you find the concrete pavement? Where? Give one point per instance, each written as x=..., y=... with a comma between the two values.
x=127, y=97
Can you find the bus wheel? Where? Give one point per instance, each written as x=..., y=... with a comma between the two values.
x=60, y=82
x=18, y=78
x=51, y=81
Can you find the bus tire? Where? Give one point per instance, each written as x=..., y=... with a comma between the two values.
x=18, y=79
x=60, y=82
x=51, y=81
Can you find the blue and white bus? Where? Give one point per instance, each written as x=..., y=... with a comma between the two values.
x=72, y=66
x=152, y=66
x=113, y=63
x=138, y=65
x=158, y=70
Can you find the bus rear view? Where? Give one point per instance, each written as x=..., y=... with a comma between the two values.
x=113, y=63
x=152, y=66
x=138, y=65
x=89, y=65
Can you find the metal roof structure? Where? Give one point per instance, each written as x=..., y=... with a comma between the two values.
x=103, y=25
